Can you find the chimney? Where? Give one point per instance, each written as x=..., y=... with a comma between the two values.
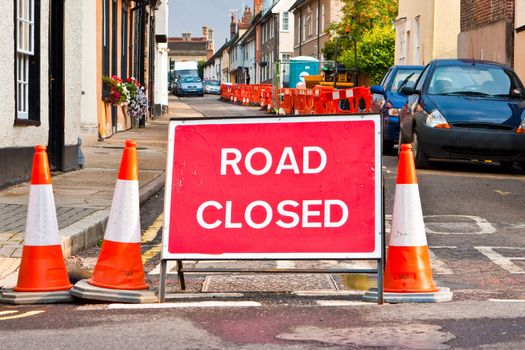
x=247, y=15
x=205, y=32
x=233, y=27
x=257, y=6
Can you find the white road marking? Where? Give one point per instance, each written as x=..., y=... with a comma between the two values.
x=502, y=261
x=478, y=226
x=329, y=292
x=342, y=303
x=186, y=305
x=508, y=300
x=285, y=264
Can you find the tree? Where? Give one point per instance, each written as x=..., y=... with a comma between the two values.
x=200, y=68
x=366, y=22
x=375, y=52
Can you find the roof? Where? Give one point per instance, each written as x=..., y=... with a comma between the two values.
x=297, y=4
x=188, y=47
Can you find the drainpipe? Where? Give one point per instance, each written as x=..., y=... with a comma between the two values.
x=318, y=28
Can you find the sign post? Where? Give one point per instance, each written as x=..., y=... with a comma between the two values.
x=274, y=188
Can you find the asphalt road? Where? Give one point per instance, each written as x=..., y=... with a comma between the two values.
x=474, y=222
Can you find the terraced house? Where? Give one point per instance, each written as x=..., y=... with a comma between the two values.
x=54, y=54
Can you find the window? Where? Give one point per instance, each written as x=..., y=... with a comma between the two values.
x=27, y=92
x=309, y=22
x=284, y=21
x=286, y=56
x=317, y=20
x=417, y=59
x=105, y=37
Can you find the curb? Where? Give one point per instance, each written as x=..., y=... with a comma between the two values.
x=86, y=232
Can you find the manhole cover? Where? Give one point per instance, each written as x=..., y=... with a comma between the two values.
x=268, y=283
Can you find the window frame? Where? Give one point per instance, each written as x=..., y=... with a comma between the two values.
x=283, y=17
x=26, y=67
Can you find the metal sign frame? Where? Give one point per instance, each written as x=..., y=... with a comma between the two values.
x=377, y=255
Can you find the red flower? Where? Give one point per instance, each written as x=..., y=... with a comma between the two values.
x=129, y=80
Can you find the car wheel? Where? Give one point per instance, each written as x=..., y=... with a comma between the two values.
x=388, y=147
x=201, y=95
x=506, y=164
x=420, y=158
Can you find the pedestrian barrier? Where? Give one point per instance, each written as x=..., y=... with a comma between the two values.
x=119, y=267
x=408, y=274
x=42, y=276
x=319, y=100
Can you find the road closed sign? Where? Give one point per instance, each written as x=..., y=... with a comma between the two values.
x=274, y=188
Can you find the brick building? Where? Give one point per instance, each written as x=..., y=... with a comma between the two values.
x=188, y=48
x=487, y=30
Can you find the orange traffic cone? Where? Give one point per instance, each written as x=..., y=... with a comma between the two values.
x=408, y=275
x=42, y=268
x=408, y=264
x=119, y=264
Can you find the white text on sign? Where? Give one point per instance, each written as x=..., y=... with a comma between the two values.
x=315, y=213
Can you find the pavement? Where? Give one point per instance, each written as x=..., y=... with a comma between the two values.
x=83, y=197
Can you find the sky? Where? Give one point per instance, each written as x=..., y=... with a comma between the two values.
x=191, y=15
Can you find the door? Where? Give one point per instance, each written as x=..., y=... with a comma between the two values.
x=56, y=85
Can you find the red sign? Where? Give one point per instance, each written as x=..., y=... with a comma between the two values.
x=273, y=188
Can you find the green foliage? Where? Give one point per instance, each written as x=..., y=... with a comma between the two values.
x=200, y=68
x=369, y=22
x=375, y=53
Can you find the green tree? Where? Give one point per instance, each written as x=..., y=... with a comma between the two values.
x=366, y=22
x=375, y=52
x=200, y=68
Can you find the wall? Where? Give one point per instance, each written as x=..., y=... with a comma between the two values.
x=446, y=29
x=88, y=101
x=490, y=42
x=72, y=70
x=519, y=39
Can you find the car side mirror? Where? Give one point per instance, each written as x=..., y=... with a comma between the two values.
x=409, y=89
x=377, y=89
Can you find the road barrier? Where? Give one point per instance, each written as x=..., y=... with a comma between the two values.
x=300, y=101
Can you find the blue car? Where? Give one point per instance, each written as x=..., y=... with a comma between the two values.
x=386, y=100
x=465, y=109
x=189, y=85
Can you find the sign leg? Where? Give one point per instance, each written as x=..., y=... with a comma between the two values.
x=162, y=281
x=380, y=281
x=180, y=273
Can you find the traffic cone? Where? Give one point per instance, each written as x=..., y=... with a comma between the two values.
x=408, y=263
x=42, y=276
x=408, y=274
x=119, y=264
x=119, y=273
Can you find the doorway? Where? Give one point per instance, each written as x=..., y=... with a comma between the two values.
x=56, y=85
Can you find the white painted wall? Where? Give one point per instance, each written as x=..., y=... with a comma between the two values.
x=88, y=100
x=21, y=136
x=161, y=56
x=285, y=37
x=72, y=70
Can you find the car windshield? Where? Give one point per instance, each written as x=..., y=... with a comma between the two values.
x=191, y=80
x=213, y=83
x=475, y=80
x=403, y=76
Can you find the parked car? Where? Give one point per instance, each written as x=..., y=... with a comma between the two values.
x=188, y=85
x=212, y=87
x=465, y=109
x=387, y=100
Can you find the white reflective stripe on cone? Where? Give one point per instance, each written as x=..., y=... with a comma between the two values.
x=124, y=218
x=41, y=222
x=349, y=93
x=408, y=228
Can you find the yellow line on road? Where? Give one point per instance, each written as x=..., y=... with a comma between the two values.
x=25, y=314
x=8, y=312
x=152, y=231
x=151, y=253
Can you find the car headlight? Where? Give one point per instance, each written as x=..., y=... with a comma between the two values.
x=436, y=120
x=390, y=110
